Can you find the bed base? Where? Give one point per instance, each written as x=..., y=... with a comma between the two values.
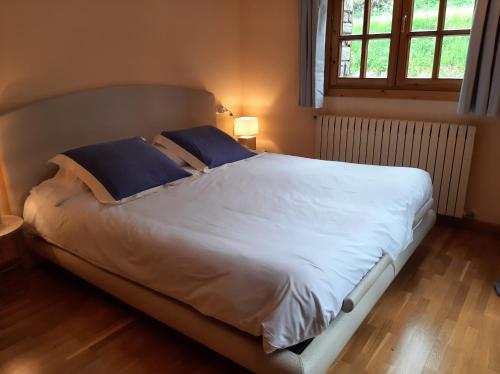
x=244, y=349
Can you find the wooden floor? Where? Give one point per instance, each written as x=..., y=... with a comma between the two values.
x=440, y=315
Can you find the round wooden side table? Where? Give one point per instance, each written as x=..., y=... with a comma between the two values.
x=9, y=243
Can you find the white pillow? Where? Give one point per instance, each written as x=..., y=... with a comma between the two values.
x=120, y=170
x=171, y=155
x=71, y=167
x=63, y=186
x=178, y=152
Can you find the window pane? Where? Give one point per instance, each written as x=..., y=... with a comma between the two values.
x=453, y=56
x=459, y=14
x=354, y=13
x=425, y=15
x=377, y=61
x=350, y=59
x=421, y=57
x=381, y=16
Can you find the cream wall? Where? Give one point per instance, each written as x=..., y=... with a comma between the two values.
x=51, y=47
x=270, y=90
x=269, y=31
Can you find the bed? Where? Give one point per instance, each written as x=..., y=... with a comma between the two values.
x=117, y=112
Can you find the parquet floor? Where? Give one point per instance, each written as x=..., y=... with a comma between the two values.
x=440, y=315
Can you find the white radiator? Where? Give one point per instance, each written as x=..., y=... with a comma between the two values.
x=444, y=150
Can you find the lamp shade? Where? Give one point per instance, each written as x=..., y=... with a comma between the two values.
x=246, y=126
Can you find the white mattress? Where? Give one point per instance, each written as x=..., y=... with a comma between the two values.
x=270, y=245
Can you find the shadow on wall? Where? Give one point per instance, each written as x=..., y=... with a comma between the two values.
x=284, y=126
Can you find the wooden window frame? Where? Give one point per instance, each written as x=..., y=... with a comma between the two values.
x=396, y=84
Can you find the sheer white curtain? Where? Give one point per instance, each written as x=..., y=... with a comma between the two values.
x=481, y=85
x=312, y=14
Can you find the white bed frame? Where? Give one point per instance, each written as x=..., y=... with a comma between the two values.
x=33, y=134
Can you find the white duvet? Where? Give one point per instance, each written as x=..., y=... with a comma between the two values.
x=270, y=245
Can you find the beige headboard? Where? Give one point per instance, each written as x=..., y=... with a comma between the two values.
x=31, y=135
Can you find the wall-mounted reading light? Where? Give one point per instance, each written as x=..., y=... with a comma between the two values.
x=245, y=128
x=221, y=109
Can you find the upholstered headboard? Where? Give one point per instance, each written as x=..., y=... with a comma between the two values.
x=31, y=135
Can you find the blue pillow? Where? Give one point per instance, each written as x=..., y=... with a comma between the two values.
x=119, y=170
x=211, y=146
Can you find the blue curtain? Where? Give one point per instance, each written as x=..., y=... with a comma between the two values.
x=312, y=23
x=481, y=85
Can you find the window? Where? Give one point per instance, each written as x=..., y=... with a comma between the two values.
x=397, y=45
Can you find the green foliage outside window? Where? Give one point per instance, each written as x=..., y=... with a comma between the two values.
x=458, y=16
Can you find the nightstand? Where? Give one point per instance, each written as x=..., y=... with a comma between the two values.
x=9, y=240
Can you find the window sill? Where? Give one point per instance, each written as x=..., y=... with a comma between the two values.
x=394, y=94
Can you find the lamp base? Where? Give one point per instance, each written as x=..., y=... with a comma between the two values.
x=249, y=142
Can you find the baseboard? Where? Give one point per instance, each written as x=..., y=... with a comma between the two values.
x=469, y=224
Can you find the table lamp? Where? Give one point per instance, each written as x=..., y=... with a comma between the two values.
x=246, y=129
